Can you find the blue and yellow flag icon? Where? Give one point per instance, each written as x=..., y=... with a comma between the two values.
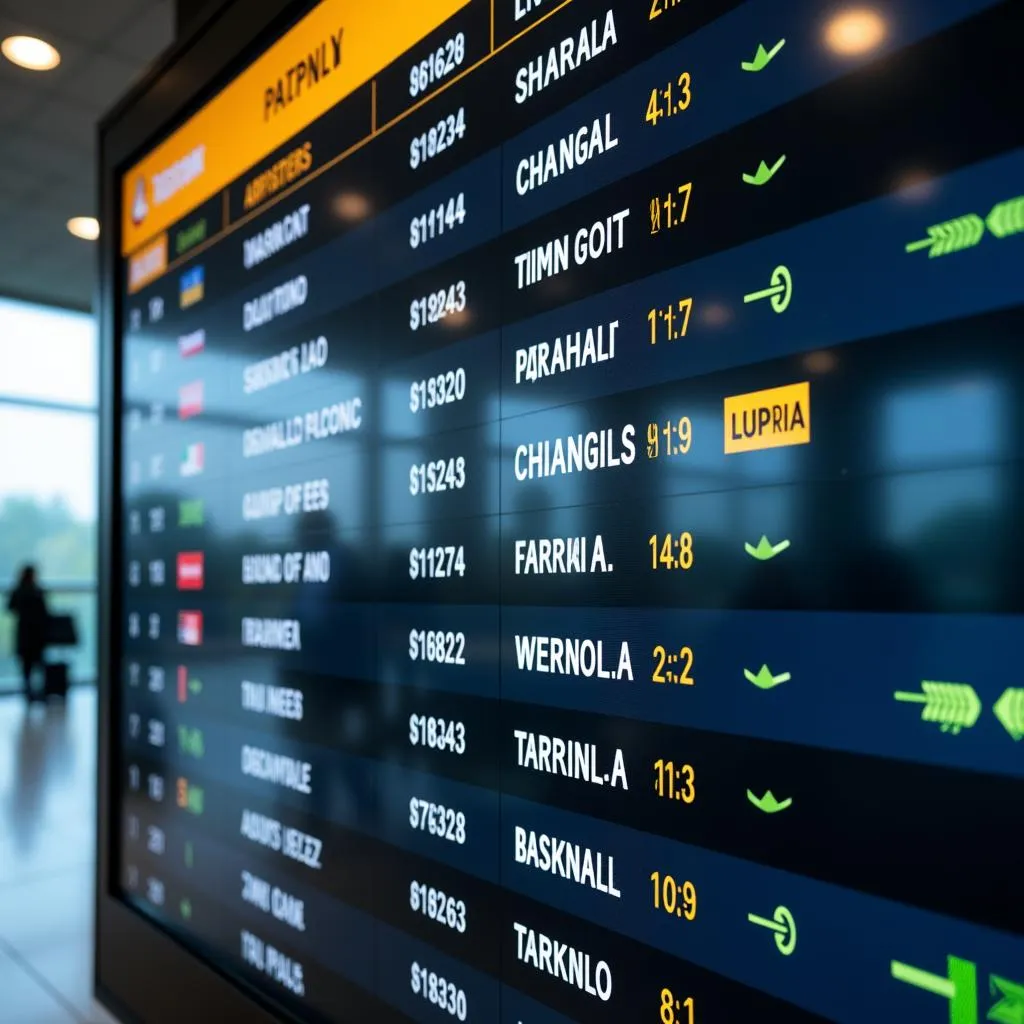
x=192, y=287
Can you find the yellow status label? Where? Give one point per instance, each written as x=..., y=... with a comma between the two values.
x=775, y=418
x=147, y=264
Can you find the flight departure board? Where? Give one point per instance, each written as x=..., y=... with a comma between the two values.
x=571, y=483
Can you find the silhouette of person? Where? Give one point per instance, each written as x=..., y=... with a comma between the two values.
x=28, y=603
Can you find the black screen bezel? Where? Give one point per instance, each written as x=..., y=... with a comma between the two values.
x=140, y=972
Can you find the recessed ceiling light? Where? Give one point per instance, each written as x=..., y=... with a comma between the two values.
x=84, y=227
x=351, y=206
x=855, y=31
x=29, y=52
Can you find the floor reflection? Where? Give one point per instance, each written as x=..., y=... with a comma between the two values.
x=47, y=857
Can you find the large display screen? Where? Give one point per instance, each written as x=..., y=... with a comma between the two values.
x=571, y=487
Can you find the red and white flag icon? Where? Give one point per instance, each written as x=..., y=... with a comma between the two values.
x=191, y=344
x=190, y=628
x=190, y=570
x=190, y=400
x=193, y=460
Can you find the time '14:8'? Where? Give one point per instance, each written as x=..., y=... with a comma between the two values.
x=671, y=551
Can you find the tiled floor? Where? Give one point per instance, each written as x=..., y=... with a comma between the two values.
x=47, y=802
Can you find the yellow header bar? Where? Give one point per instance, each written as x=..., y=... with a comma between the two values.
x=336, y=48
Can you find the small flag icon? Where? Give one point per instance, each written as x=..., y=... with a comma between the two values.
x=190, y=570
x=193, y=460
x=190, y=512
x=191, y=287
x=187, y=685
x=190, y=629
x=190, y=400
x=191, y=344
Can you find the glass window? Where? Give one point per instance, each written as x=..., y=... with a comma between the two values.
x=47, y=354
x=48, y=500
x=48, y=470
x=940, y=422
x=48, y=493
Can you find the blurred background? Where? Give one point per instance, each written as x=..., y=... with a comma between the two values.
x=63, y=65
x=48, y=353
x=48, y=470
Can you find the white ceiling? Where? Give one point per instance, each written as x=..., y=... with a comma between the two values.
x=48, y=129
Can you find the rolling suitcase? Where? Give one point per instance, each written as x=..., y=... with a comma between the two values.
x=55, y=683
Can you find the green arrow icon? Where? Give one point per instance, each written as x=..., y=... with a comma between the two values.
x=780, y=291
x=768, y=803
x=1009, y=709
x=782, y=924
x=954, y=706
x=764, y=680
x=764, y=173
x=195, y=686
x=186, y=909
x=765, y=550
x=951, y=236
x=960, y=986
x=763, y=57
x=1010, y=1008
x=1005, y=219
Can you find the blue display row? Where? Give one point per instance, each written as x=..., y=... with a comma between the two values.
x=861, y=682
x=795, y=938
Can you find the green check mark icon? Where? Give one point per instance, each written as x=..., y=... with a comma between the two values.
x=769, y=803
x=765, y=680
x=763, y=57
x=764, y=173
x=765, y=550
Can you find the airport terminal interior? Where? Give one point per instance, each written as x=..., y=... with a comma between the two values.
x=510, y=511
x=49, y=481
